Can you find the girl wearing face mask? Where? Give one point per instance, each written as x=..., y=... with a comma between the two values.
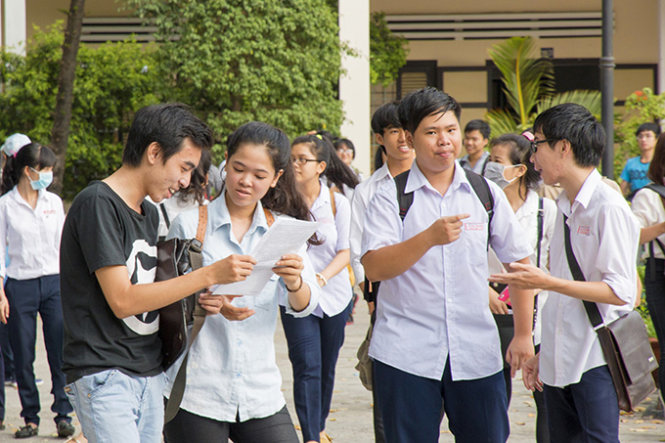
x=31, y=220
x=510, y=167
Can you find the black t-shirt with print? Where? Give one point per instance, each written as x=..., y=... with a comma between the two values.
x=101, y=230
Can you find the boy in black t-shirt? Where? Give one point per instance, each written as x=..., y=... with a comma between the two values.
x=108, y=257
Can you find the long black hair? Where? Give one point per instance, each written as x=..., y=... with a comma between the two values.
x=284, y=198
x=520, y=154
x=337, y=172
x=33, y=155
x=197, y=188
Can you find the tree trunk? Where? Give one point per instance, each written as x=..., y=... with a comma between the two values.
x=63, y=105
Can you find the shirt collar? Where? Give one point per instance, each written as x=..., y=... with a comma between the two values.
x=382, y=172
x=324, y=197
x=418, y=180
x=41, y=194
x=218, y=215
x=583, y=196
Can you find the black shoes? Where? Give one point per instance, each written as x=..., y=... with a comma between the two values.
x=65, y=429
x=28, y=431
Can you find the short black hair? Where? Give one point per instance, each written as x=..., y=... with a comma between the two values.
x=648, y=126
x=573, y=122
x=168, y=125
x=426, y=101
x=385, y=117
x=478, y=125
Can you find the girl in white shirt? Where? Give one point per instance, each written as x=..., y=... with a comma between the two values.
x=233, y=387
x=314, y=341
x=510, y=167
x=31, y=220
x=647, y=205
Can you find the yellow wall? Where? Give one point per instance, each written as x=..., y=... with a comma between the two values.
x=45, y=12
x=635, y=36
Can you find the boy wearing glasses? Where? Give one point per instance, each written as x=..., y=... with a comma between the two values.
x=435, y=342
x=580, y=398
x=634, y=174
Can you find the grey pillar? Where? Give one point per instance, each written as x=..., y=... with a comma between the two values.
x=607, y=87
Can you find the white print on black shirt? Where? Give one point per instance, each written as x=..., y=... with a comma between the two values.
x=141, y=266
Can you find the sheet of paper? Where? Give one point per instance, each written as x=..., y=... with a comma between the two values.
x=285, y=236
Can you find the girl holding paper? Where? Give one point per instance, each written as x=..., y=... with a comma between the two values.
x=233, y=385
x=314, y=341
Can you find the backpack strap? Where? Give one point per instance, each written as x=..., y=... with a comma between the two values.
x=404, y=199
x=333, y=203
x=196, y=261
x=541, y=214
x=270, y=219
x=165, y=215
x=482, y=190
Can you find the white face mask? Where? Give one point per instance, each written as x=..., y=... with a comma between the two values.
x=494, y=171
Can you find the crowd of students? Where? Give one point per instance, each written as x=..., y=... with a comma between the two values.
x=460, y=260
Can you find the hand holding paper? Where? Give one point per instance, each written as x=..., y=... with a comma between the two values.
x=285, y=236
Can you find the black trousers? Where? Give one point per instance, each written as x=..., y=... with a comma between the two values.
x=191, y=428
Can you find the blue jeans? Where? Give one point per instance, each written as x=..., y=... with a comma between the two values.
x=584, y=412
x=27, y=298
x=411, y=406
x=115, y=407
x=314, y=345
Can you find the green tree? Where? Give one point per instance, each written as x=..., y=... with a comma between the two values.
x=387, y=51
x=112, y=81
x=233, y=61
x=528, y=83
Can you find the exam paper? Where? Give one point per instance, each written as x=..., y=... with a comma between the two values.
x=285, y=236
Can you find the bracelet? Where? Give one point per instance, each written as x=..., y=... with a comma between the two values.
x=296, y=289
x=325, y=280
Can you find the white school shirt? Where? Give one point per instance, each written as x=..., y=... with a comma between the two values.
x=231, y=368
x=527, y=216
x=439, y=307
x=648, y=208
x=361, y=198
x=334, y=232
x=32, y=236
x=604, y=235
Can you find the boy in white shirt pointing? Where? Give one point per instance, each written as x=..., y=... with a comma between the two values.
x=435, y=342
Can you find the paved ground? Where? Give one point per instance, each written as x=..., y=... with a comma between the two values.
x=350, y=419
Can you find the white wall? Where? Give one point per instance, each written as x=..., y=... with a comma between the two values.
x=14, y=25
x=354, y=87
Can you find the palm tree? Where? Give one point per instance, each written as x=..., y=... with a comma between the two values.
x=529, y=87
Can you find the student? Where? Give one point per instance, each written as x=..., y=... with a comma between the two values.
x=31, y=221
x=112, y=353
x=580, y=398
x=634, y=174
x=233, y=383
x=314, y=341
x=389, y=135
x=346, y=152
x=648, y=207
x=435, y=344
x=510, y=167
x=476, y=139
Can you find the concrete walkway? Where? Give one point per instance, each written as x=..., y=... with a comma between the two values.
x=350, y=420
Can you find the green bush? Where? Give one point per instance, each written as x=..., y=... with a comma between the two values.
x=112, y=81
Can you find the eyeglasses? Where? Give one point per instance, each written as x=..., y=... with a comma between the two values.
x=301, y=160
x=535, y=143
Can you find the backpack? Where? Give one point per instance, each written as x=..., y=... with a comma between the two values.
x=478, y=183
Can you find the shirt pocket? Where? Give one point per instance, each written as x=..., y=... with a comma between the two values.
x=265, y=301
